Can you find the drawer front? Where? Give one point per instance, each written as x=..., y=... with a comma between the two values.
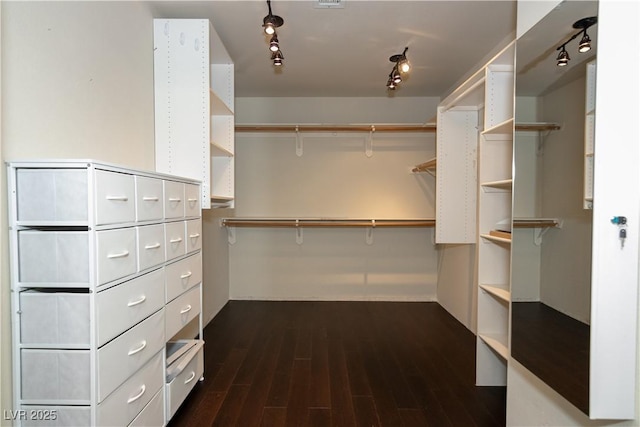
x=183, y=275
x=54, y=318
x=120, y=307
x=62, y=195
x=192, y=196
x=124, y=404
x=174, y=233
x=173, y=199
x=150, y=246
x=179, y=388
x=126, y=354
x=152, y=414
x=115, y=198
x=50, y=258
x=116, y=254
x=194, y=235
x=149, y=199
x=55, y=376
x=182, y=310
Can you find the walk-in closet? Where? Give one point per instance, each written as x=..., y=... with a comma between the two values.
x=320, y=213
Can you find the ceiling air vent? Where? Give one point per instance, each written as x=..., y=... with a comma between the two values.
x=329, y=4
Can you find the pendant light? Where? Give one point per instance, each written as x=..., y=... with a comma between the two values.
x=271, y=21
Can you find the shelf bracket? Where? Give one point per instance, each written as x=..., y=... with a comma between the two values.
x=540, y=232
x=368, y=149
x=298, y=142
x=369, y=233
x=299, y=235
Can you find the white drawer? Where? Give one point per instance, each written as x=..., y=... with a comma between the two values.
x=116, y=254
x=115, y=198
x=120, y=307
x=152, y=414
x=149, y=198
x=55, y=376
x=182, y=310
x=62, y=195
x=124, y=404
x=194, y=235
x=183, y=274
x=41, y=416
x=126, y=354
x=192, y=196
x=174, y=233
x=178, y=389
x=54, y=318
x=173, y=199
x=150, y=246
x=52, y=258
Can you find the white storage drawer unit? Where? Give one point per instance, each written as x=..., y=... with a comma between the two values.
x=178, y=388
x=95, y=251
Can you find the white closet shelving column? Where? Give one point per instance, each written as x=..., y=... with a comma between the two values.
x=495, y=166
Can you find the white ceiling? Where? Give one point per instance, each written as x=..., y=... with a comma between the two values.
x=345, y=52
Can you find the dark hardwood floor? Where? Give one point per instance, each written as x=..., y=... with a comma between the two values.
x=339, y=364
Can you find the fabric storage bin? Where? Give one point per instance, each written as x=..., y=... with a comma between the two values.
x=192, y=205
x=182, y=310
x=149, y=199
x=183, y=274
x=117, y=254
x=62, y=195
x=152, y=414
x=126, y=402
x=45, y=416
x=120, y=307
x=114, y=197
x=174, y=233
x=173, y=199
x=178, y=389
x=55, y=376
x=194, y=235
x=150, y=246
x=54, y=318
x=51, y=258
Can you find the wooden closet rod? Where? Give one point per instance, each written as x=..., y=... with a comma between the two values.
x=429, y=127
x=323, y=222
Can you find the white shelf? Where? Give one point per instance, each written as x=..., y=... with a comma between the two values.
x=218, y=106
x=219, y=151
x=495, y=239
x=504, y=128
x=496, y=342
x=503, y=184
x=499, y=292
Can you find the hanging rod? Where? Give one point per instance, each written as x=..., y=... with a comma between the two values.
x=428, y=127
x=326, y=222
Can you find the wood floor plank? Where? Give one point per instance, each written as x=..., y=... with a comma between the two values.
x=341, y=403
x=281, y=382
x=320, y=392
x=224, y=378
x=365, y=411
x=318, y=417
x=274, y=417
x=231, y=407
x=298, y=405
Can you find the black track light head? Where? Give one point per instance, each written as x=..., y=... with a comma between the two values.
x=563, y=57
x=274, y=45
x=271, y=21
x=277, y=58
x=585, y=42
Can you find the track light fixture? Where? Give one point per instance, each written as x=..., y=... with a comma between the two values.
x=401, y=67
x=277, y=58
x=585, y=42
x=274, y=46
x=271, y=21
x=269, y=24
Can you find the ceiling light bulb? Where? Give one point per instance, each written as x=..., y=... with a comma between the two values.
x=585, y=43
x=396, y=77
x=277, y=58
x=391, y=85
x=563, y=58
x=273, y=44
x=404, y=67
x=269, y=28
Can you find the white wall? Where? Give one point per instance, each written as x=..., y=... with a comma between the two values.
x=333, y=179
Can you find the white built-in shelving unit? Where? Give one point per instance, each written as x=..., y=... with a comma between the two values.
x=194, y=107
x=495, y=173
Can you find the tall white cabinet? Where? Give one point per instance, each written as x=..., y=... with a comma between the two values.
x=194, y=107
x=106, y=274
